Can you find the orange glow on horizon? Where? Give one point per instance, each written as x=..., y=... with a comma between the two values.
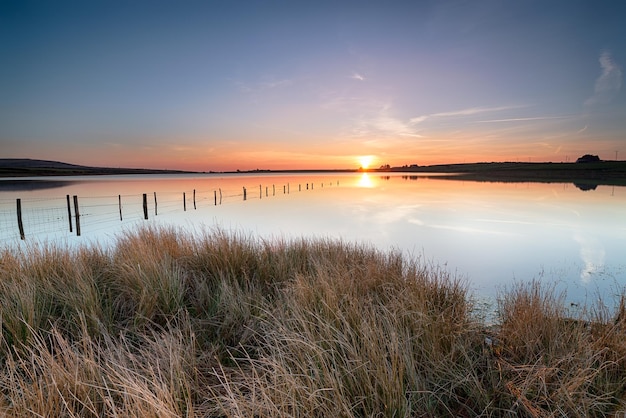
x=233, y=158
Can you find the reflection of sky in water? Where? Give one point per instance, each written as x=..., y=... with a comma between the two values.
x=592, y=254
x=490, y=233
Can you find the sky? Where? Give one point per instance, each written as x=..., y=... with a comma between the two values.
x=227, y=85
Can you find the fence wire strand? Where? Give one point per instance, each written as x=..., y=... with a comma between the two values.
x=44, y=215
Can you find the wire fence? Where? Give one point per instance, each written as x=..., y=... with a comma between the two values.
x=22, y=218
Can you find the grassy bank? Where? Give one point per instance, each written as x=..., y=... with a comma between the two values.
x=611, y=173
x=222, y=325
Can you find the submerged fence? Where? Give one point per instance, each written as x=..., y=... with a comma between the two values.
x=21, y=218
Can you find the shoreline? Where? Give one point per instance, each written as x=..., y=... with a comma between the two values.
x=598, y=173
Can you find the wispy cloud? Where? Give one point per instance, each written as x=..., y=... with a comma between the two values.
x=263, y=85
x=580, y=131
x=274, y=84
x=463, y=112
x=371, y=119
x=522, y=119
x=475, y=110
x=357, y=76
x=385, y=123
x=608, y=83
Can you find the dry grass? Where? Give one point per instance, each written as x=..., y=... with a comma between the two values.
x=225, y=325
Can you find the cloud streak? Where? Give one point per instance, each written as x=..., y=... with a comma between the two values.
x=357, y=76
x=262, y=86
x=383, y=122
x=608, y=83
x=463, y=112
x=522, y=119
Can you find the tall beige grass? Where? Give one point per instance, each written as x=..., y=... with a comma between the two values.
x=166, y=324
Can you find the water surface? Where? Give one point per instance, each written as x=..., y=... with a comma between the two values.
x=489, y=233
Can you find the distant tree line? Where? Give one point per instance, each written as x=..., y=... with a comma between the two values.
x=588, y=158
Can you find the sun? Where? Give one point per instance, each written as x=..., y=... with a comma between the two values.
x=365, y=161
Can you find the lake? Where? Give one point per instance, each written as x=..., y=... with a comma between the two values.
x=491, y=234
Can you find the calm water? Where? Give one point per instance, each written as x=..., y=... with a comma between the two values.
x=489, y=233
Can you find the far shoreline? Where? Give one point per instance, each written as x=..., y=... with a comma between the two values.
x=598, y=173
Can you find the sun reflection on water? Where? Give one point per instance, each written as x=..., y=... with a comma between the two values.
x=365, y=181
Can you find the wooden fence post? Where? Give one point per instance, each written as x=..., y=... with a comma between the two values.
x=155, y=204
x=244, y=193
x=194, y=199
x=184, y=202
x=69, y=211
x=145, y=206
x=77, y=214
x=260, y=192
x=119, y=199
x=266, y=191
x=273, y=190
x=215, y=197
x=20, y=225
x=220, y=195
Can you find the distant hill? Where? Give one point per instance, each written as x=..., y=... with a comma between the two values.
x=22, y=167
x=594, y=172
x=602, y=172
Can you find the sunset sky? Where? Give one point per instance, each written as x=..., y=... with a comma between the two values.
x=225, y=85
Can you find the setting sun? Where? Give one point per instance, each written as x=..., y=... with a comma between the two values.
x=365, y=161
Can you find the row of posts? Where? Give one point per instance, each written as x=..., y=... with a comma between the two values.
x=285, y=190
x=20, y=223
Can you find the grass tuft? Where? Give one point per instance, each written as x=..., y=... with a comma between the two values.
x=166, y=324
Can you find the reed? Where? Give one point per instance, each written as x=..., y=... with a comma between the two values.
x=214, y=324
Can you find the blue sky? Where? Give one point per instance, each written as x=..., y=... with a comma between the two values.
x=222, y=85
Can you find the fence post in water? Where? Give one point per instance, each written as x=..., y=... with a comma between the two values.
x=184, y=202
x=69, y=211
x=299, y=187
x=155, y=204
x=20, y=225
x=273, y=190
x=119, y=203
x=284, y=189
x=77, y=213
x=194, y=199
x=260, y=192
x=266, y=191
x=145, y=206
x=215, y=196
x=287, y=188
x=220, y=195
x=244, y=193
